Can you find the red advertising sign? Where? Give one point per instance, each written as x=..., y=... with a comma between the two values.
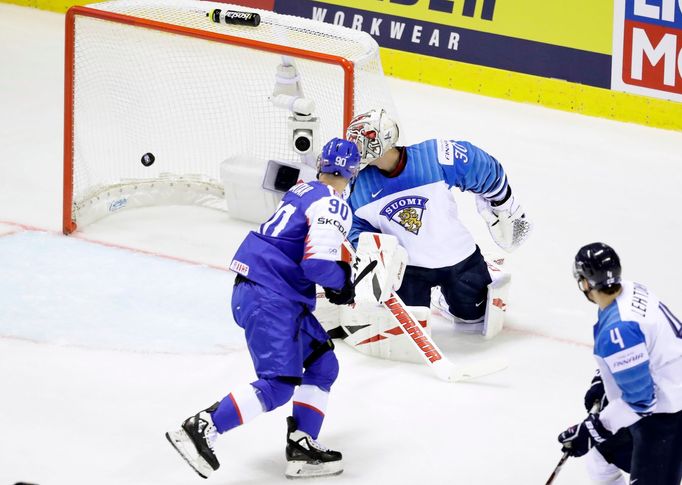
x=647, y=50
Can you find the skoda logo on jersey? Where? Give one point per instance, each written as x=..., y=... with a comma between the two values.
x=406, y=211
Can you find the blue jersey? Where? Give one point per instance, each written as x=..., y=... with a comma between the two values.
x=300, y=245
x=638, y=347
x=417, y=205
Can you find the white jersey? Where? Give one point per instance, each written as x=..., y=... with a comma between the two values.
x=417, y=206
x=638, y=347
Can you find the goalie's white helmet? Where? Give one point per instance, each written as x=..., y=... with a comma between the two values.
x=374, y=133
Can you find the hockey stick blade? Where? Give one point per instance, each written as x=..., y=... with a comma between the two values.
x=474, y=370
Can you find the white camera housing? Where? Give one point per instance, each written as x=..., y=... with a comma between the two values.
x=303, y=134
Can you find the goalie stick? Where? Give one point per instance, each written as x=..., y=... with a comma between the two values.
x=426, y=347
x=367, y=270
x=596, y=407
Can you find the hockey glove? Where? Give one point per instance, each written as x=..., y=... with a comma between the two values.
x=577, y=440
x=346, y=295
x=596, y=393
x=506, y=221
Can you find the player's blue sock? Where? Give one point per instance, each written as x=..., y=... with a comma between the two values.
x=308, y=419
x=238, y=407
x=310, y=404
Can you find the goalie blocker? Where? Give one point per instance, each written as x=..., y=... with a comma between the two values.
x=370, y=329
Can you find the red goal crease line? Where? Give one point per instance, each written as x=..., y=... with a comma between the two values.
x=24, y=227
x=69, y=57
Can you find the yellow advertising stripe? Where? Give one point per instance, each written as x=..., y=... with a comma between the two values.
x=552, y=93
x=496, y=83
x=579, y=24
x=60, y=6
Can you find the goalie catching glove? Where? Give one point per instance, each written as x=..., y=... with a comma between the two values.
x=506, y=221
x=345, y=295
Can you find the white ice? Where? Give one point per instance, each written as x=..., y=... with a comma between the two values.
x=113, y=336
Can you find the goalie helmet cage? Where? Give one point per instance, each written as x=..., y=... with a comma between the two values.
x=160, y=77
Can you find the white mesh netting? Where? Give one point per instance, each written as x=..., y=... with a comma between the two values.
x=194, y=102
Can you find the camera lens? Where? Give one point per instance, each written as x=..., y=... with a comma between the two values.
x=302, y=141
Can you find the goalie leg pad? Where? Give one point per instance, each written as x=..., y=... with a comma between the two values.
x=498, y=295
x=372, y=330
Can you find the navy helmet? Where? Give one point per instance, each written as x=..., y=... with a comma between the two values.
x=598, y=264
x=339, y=157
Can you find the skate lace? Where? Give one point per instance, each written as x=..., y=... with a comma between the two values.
x=211, y=434
x=314, y=444
x=208, y=430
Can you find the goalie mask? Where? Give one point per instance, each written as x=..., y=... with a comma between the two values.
x=374, y=133
x=339, y=157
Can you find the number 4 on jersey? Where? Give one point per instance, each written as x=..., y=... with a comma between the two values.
x=616, y=337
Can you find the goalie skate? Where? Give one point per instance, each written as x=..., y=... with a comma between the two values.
x=194, y=442
x=306, y=458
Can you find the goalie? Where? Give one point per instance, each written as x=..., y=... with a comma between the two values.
x=405, y=191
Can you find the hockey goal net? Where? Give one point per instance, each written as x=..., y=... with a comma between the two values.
x=160, y=77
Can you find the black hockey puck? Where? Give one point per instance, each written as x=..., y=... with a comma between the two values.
x=147, y=159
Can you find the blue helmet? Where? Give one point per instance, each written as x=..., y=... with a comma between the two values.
x=339, y=157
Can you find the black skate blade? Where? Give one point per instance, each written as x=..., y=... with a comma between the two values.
x=185, y=457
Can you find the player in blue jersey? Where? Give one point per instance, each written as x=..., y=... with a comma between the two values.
x=277, y=269
x=638, y=348
x=606, y=461
x=405, y=191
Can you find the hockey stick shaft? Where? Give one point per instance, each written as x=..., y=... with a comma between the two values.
x=596, y=407
x=425, y=346
x=367, y=270
x=429, y=351
x=557, y=468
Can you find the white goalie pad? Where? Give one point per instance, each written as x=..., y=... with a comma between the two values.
x=367, y=326
x=496, y=304
x=370, y=329
x=391, y=260
x=390, y=330
x=498, y=292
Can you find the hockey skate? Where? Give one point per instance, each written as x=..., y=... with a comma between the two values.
x=194, y=441
x=306, y=458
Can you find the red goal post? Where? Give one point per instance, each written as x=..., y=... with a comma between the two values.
x=158, y=76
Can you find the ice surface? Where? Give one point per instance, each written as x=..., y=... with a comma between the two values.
x=102, y=348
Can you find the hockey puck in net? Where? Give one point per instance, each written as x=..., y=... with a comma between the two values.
x=147, y=159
